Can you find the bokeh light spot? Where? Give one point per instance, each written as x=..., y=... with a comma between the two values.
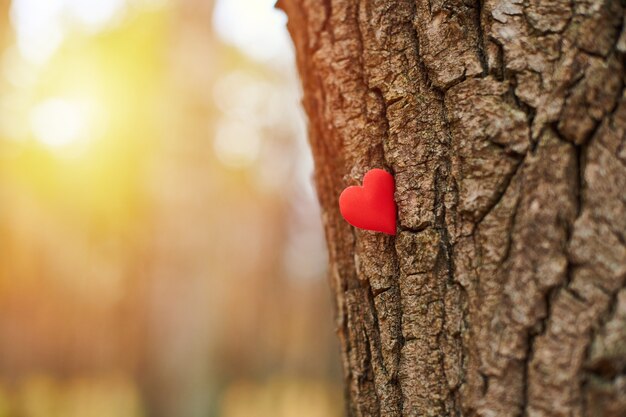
x=237, y=145
x=57, y=122
x=41, y=26
x=254, y=26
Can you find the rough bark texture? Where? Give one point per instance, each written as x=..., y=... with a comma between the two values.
x=504, y=124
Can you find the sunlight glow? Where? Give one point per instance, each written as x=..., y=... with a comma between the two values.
x=58, y=122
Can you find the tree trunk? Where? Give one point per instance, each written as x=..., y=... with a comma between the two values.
x=504, y=124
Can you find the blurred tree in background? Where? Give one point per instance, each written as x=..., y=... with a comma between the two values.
x=160, y=247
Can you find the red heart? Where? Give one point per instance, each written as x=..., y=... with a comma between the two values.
x=371, y=207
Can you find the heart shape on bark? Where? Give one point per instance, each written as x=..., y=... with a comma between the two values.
x=372, y=206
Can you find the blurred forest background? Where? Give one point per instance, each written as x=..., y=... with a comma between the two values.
x=160, y=245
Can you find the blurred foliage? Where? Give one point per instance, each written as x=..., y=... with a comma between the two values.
x=160, y=248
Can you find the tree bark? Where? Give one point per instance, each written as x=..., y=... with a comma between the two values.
x=504, y=124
